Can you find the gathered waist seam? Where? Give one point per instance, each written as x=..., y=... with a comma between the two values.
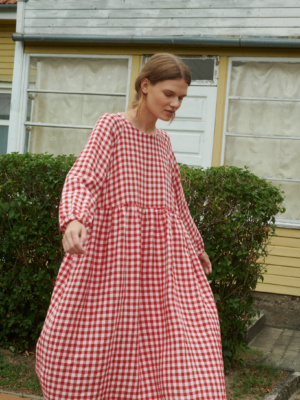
x=139, y=206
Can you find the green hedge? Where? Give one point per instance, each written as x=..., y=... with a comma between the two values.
x=233, y=209
x=235, y=212
x=30, y=242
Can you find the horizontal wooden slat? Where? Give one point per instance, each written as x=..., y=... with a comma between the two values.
x=116, y=4
x=284, y=251
x=7, y=46
x=166, y=22
x=167, y=31
x=285, y=242
x=293, y=233
x=161, y=13
x=6, y=26
x=7, y=39
x=6, y=59
x=283, y=281
x=267, y=288
x=6, y=71
x=5, y=78
x=285, y=271
x=283, y=261
x=6, y=35
x=6, y=66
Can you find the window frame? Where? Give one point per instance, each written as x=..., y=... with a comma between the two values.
x=280, y=222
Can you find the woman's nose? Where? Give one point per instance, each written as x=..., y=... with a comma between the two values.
x=175, y=103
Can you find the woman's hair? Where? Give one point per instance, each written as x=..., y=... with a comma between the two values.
x=158, y=68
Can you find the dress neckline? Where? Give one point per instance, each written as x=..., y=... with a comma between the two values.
x=137, y=129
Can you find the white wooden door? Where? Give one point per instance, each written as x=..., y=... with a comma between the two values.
x=192, y=131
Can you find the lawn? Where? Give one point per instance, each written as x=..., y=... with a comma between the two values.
x=248, y=380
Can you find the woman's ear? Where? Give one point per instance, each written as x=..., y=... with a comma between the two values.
x=145, y=83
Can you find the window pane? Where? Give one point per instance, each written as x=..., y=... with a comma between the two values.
x=201, y=69
x=4, y=106
x=264, y=118
x=3, y=139
x=265, y=79
x=58, y=140
x=291, y=198
x=79, y=74
x=265, y=157
x=55, y=108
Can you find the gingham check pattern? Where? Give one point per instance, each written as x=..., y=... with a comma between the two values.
x=134, y=318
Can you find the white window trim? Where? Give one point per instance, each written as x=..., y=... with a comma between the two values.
x=25, y=90
x=280, y=222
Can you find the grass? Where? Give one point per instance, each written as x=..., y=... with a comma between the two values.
x=250, y=379
x=247, y=380
x=17, y=373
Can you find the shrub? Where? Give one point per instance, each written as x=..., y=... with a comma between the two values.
x=233, y=209
x=235, y=212
x=30, y=241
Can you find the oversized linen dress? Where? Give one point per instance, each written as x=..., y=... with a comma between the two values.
x=134, y=318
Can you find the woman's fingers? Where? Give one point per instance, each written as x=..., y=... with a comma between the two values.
x=206, y=264
x=75, y=238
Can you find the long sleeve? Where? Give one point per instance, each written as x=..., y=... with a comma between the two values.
x=184, y=211
x=85, y=179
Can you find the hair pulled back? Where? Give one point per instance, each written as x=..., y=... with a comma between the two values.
x=158, y=68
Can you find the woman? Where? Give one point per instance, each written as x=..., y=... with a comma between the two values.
x=132, y=315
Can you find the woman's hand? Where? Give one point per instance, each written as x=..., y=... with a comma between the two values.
x=206, y=264
x=74, y=238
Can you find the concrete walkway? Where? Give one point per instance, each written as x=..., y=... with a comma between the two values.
x=281, y=347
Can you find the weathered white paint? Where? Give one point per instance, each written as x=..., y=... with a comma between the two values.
x=192, y=131
x=164, y=18
x=15, y=136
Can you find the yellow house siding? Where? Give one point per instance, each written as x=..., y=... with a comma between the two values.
x=7, y=50
x=135, y=69
x=220, y=110
x=283, y=264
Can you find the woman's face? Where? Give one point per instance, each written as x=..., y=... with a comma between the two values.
x=164, y=98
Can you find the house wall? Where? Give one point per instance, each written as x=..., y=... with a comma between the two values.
x=283, y=263
x=7, y=49
x=164, y=18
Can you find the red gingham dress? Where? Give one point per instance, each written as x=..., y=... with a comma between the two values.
x=134, y=318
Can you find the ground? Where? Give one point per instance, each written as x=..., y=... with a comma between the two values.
x=281, y=311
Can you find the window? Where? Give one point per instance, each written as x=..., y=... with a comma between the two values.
x=204, y=70
x=66, y=96
x=5, y=97
x=262, y=125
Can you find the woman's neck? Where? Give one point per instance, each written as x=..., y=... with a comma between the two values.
x=141, y=120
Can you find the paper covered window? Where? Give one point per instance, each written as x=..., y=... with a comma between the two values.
x=262, y=124
x=66, y=96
